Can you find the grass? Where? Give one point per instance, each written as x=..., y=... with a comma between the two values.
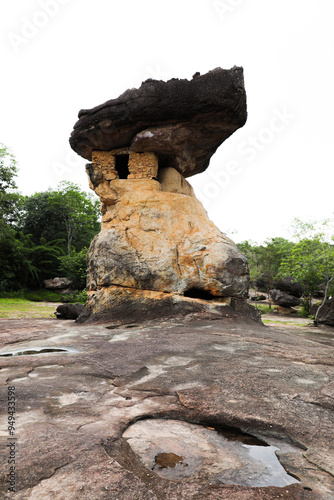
x=15, y=308
x=35, y=304
x=292, y=323
x=264, y=309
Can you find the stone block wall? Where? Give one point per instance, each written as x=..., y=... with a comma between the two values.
x=140, y=165
x=143, y=166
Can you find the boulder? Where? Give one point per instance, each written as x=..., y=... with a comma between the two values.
x=69, y=311
x=283, y=311
x=284, y=299
x=57, y=284
x=156, y=238
x=320, y=292
x=326, y=313
x=290, y=286
x=182, y=121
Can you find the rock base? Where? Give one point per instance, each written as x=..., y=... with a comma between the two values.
x=121, y=304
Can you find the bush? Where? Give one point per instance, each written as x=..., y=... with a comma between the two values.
x=263, y=308
x=42, y=296
x=19, y=294
x=74, y=266
x=74, y=297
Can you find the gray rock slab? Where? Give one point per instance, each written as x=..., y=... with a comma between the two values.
x=73, y=408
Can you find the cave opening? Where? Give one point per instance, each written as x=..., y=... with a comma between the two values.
x=198, y=293
x=122, y=166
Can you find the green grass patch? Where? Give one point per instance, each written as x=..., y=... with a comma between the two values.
x=283, y=323
x=264, y=309
x=16, y=308
x=44, y=295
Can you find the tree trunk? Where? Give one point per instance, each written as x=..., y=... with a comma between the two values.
x=315, y=321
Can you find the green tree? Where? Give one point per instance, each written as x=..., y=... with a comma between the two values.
x=66, y=214
x=251, y=250
x=264, y=260
x=9, y=197
x=74, y=266
x=311, y=261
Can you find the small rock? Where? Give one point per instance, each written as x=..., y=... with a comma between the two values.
x=58, y=283
x=69, y=311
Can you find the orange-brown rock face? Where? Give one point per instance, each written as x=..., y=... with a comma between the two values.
x=163, y=241
x=157, y=245
x=156, y=237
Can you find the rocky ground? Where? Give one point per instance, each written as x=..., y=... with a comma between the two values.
x=197, y=375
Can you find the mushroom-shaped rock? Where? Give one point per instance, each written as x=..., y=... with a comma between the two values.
x=158, y=252
x=182, y=121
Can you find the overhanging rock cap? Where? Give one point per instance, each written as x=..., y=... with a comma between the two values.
x=182, y=121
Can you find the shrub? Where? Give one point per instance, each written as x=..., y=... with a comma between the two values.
x=42, y=296
x=74, y=266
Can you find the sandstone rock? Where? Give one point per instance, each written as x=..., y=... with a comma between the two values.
x=182, y=121
x=160, y=241
x=69, y=311
x=74, y=408
x=114, y=303
x=284, y=311
x=173, y=182
x=284, y=299
x=290, y=286
x=326, y=313
x=155, y=234
x=58, y=284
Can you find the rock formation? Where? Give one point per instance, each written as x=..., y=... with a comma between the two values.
x=59, y=285
x=284, y=299
x=69, y=311
x=290, y=286
x=326, y=313
x=157, y=248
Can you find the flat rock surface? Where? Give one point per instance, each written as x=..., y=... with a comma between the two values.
x=72, y=408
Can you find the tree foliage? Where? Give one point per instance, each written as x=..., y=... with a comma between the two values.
x=37, y=231
x=74, y=266
x=309, y=259
x=265, y=260
x=9, y=197
x=66, y=214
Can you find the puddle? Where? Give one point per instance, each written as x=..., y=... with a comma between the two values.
x=114, y=327
x=175, y=449
x=38, y=350
x=164, y=460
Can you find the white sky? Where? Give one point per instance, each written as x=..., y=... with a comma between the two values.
x=59, y=56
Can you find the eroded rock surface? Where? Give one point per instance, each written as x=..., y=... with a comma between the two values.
x=74, y=408
x=156, y=241
x=182, y=121
x=156, y=236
